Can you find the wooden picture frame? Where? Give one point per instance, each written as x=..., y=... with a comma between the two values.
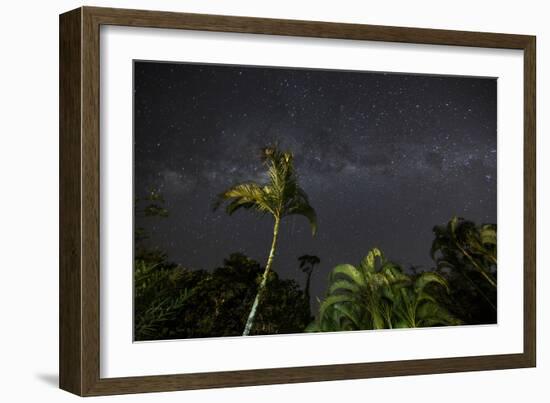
x=79, y=201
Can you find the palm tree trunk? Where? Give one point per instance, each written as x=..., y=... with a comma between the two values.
x=487, y=276
x=262, y=287
x=308, y=281
x=307, y=302
x=478, y=289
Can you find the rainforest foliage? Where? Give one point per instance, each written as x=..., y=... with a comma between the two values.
x=377, y=294
x=243, y=297
x=172, y=302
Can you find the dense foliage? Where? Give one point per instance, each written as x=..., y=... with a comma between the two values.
x=466, y=255
x=172, y=302
x=377, y=294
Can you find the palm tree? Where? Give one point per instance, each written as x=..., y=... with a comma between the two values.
x=376, y=294
x=461, y=244
x=280, y=196
x=466, y=254
x=356, y=298
x=415, y=307
x=307, y=264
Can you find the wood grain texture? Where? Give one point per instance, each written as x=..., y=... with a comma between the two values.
x=70, y=309
x=90, y=202
x=317, y=29
x=80, y=196
x=530, y=203
x=161, y=383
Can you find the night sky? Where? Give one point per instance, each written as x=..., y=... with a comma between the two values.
x=383, y=157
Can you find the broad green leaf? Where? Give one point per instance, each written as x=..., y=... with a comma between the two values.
x=350, y=313
x=349, y=271
x=368, y=264
x=488, y=235
x=331, y=300
x=429, y=277
x=343, y=286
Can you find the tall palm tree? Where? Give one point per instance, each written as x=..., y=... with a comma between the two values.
x=280, y=196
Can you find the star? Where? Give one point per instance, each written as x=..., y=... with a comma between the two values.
x=382, y=157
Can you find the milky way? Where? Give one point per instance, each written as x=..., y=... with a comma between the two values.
x=383, y=157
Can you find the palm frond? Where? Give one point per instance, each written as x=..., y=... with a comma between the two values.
x=429, y=278
x=306, y=211
x=349, y=271
x=378, y=294
x=245, y=195
x=281, y=196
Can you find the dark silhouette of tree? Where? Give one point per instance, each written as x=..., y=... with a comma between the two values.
x=172, y=302
x=307, y=264
x=461, y=244
x=150, y=206
x=466, y=255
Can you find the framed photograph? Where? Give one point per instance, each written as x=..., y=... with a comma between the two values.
x=249, y=201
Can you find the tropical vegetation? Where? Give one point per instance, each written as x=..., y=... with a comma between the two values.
x=242, y=297
x=172, y=302
x=377, y=294
x=466, y=255
x=279, y=197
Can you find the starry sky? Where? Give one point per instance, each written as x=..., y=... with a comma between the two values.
x=383, y=157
